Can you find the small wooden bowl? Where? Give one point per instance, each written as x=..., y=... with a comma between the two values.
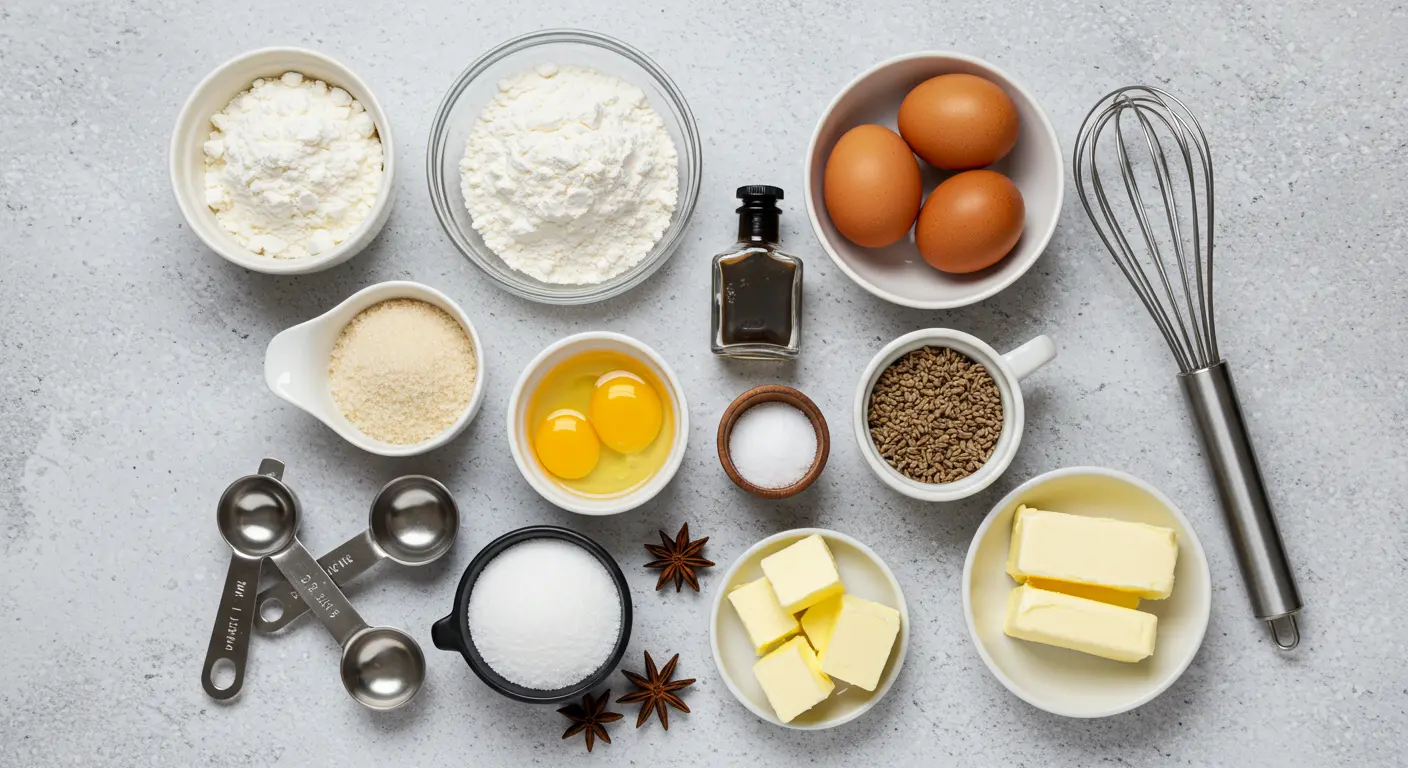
x=774, y=393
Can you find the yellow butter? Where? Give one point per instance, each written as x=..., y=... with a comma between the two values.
x=819, y=621
x=762, y=616
x=1087, y=591
x=852, y=637
x=1088, y=626
x=1097, y=551
x=792, y=679
x=803, y=574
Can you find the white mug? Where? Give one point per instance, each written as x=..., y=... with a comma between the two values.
x=1007, y=371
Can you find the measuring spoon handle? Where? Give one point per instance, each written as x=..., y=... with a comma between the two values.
x=229, y=639
x=318, y=592
x=353, y=558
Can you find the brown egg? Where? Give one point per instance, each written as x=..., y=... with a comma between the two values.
x=959, y=122
x=970, y=222
x=872, y=186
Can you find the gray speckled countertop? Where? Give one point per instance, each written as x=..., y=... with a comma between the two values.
x=130, y=367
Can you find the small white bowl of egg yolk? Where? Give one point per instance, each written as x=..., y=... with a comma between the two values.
x=597, y=423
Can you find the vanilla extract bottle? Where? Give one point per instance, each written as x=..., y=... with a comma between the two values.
x=757, y=312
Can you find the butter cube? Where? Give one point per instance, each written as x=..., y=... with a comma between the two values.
x=792, y=679
x=1096, y=551
x=852, y=637
x=1065, y=621
x=1087, y=591
x=803, y=574
x=761, y=614
x=819, y=621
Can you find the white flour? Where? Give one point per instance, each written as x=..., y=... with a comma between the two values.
x=570, y=175
x=292, y=167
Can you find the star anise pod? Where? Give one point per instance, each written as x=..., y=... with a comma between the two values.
x=679, y=559
x=657, y=691
x=590, y=717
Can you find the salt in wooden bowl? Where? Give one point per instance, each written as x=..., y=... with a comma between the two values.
x=774, y=393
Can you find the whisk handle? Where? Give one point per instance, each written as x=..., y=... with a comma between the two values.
x=1250, y=519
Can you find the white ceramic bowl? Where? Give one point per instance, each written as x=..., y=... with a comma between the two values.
x=898, y=273
x=193, y=130
x=296, y=365
x=1067, y=682
x=864, y=574
x=1007, y=371
x=521, y=445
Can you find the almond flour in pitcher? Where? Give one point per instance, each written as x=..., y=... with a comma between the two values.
x=403, y=371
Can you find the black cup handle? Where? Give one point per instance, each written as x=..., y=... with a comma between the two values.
x=444, y=635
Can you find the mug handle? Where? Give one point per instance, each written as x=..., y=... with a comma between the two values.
x=1024, y=360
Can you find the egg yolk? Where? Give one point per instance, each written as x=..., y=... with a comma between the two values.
x=626, y=412
x=567, y=445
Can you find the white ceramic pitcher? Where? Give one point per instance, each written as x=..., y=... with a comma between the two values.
x=296, y=365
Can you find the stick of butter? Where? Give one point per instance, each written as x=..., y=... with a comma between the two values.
x=1098, y=551
x=1087, y=591
x=1088, y=626
x=767, y=624
x=803, y=574
x=792, y=679
x=852, y=637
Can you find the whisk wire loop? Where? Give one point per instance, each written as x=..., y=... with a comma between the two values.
x=1141, y=214
x=1112, y=235
x=1171, y=271
x=1164, y=177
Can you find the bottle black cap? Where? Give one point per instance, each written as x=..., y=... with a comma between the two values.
x=759, y=190
x=757, y=220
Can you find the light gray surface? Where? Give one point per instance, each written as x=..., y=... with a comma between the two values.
x=130, y=358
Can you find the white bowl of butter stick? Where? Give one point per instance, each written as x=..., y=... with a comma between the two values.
x=864, y=574
x=1071, y=683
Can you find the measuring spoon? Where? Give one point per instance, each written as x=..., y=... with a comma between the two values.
x=382, y=667
x=229, y=639
x=413, y=521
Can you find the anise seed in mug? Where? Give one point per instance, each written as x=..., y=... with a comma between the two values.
x=935, y=415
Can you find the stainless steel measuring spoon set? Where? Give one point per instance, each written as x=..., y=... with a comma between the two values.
x=413, y=521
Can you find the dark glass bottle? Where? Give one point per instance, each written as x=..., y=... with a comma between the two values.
x=757, y=309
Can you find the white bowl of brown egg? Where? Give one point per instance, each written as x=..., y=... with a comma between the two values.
x=396, y=369
x=934, y=180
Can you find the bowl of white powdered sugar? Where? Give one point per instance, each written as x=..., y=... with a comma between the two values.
x=282, y=162
x=565, y=165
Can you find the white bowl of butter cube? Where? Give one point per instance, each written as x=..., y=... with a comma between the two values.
x=809, y=629
x=1087, y=592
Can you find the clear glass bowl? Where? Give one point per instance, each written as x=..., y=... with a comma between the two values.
x=478, y=84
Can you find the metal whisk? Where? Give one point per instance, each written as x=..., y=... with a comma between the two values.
x=1160, y=232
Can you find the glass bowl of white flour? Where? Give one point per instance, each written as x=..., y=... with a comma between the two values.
x=565, y=165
